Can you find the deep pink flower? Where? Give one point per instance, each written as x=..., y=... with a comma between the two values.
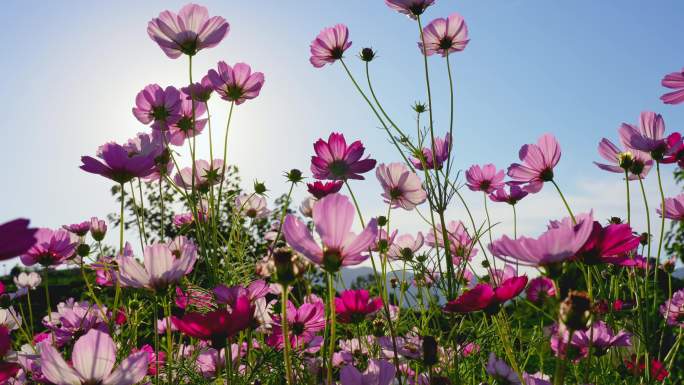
x=638, y=163
x=161, y=107
x=333, y=217
x=353, y=306
x=93, y=359
x=540, y=288
x=410, y=8
x=236, y=84
x=674, y=208
x=648, y=136
x=329, y=45
x=320, y=189
x=378, y=372
x=673, y=309
x=512, y=196
x=444, y=36
x=8, y=370
x=675, y=81
x=509, y=289
x=118, y=165
x=658, y=371
x=605, y=243
x=401, y=186
x=206, y=175
x=79, y=229
x=560, y=242
x=155, y=146
x=471, y=300
x=335, y=160
x=304, y=322
x=486, y=178
x=51, y=248
x=217, y=325
x=187, y=32
x=442, y=153
x=538, y=161
x=156, y=360
x=16, y=238
x=675, y=151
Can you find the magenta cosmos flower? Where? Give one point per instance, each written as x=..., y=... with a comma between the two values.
x=538, y=161
x=16, y=238
x=217, y=325
x=353, y=306
x=560, y=242
x=333, y=217
x=675, y=81
x=674, y=208
x=539, y=289
x=52, y=247
x=378, y=372
x=673, y=309
x=236, y=84
x=402, y=187
x=329, y=45
x=320, y=189
x=637, y=163
x=164, y=264
x=335, y=160
x=512, y=196
x=304, y=321
x=442, y=153
x=648, y=136
x=161, y=107
x=486, y=178
x=118, y=165
x=93, y=359
x=410, y=8
x=79, y=229
x=477, y=298
x=444, y=36
x=605, y=244
x=187, y=32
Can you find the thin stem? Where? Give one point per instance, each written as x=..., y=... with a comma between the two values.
x=286, y=336
x=564, y=201
x=515, y=223
x=225, y=154
x=331, y=319
x=662, y=230
x=161, y=209
x=629, y=209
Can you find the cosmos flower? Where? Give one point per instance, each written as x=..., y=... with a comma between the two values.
x=538, y=161
x=10, y=319
x=675, y=81
x=500, y=371
x=460, y=242
x=187, y=127
x=159, y=106
x=674, y=208
x=98, y=228
x=333, y=217
x=605, y=243
x=79, y=229
x=118, y=165
x=648, y=136
x=471, y=300
x=444, y=36
x=637, y=163
x=599, y=338
x=405, y=246
x=304, y=322
x=93, y=357
x=200, y=92
x=320, y=189
x=30, y=280
x=187, y=32
x=402, y=187
x=512, y=196
x=337, y=161
x=540, y=288
x=673, y=309
x=306, y=207
x=217, y=325
x=329, y=45
x=353, y=306
x=442, y=153
x=73, y=319
x=560, y=242
x=162, y=266
x=205, y=175
x=52, y=247
x=236, y=84
x=16, y=238
x=252, y=206
x=378, y=372
x=410, y=8
x=486, y=178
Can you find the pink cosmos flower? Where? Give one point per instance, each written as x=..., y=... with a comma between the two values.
x=444, y=36
x=210, y=360
x=118, y=165
x=378, y=372
x=538, y=378
x=335, y=160
x=156, y=360
x=539, y=289
x=460, y=242
x=79, y=229
x=600, y=338
x=184, y=128
x=236, y=84
x=16, y=238
x=73, y=319
x=648, y=136
x=217, y=325
x=501, y=371
x=353, y=306
x=405, y=246
x=333, y=217
x=187, y=32
x=410, y=8
x=162, y=266
x=402, y=187
x=98, y=228
x=471, y=300
x=408, y=346
x=512, y=196
x=329, y=45
x=304, y=322
x=442, y=153
x=538, y=161
x=158, y=106
x=675, y=152
x=560, y=242
x=52, y=247
x=8, y=370
x=485, y=178
x=320, y=189
x=252, y=206
x=673, y=309
x=605, y=243
x=200, y=92
x=638, y=163
x=206, y=175
x=675, y=81
x=93, y=358
x=674, y=208
x=154, y=146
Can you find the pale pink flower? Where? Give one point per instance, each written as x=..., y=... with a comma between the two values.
x=637, y=163
x=486, y=178
x=674, y=208
x=675, y=81
x=538, y=161
x=329, y=45
x=205, y=175
x=673, y=309
x=252, y=206
x=405, y=246
x=237, y=83
x=445, y=35
x=410, y=8
x=163, y=265
x=648, y=136
x=402, y=187
x=378, y=372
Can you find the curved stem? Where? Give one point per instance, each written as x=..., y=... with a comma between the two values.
x=286, y=336
x=564, y=201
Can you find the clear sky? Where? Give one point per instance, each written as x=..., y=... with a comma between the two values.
x=578, y=69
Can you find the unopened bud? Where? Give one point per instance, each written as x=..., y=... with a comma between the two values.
x=367, y=54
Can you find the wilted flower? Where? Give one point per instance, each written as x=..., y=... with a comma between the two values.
x=52, y=248
x=485, y=178
x=16, y=238
x=335, y=160
x=445, y=35
x=329, y=45
x=236, y=84
x=538, y=163
x=402, y=187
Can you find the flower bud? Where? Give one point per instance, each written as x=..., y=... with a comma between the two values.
x=367, y=54
x=98, y=229
x=419, y=107
x=294, y=176
x=382, y=221
x=394, y=283
x=615, y=220
x=83, y=250
x=259, y=188
x=644, y=239
x=284, y=268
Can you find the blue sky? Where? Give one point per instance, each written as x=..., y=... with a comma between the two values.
x=576, y=69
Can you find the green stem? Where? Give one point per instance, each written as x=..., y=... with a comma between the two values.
x=629, y=204
x=662, y=231
x=286, y=336
x=225, y=154
x=565, y=202
x=331, y=319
